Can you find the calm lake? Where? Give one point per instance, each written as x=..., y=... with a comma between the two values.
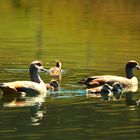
x=89, y=37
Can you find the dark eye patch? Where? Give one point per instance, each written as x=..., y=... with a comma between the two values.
x=39, y=64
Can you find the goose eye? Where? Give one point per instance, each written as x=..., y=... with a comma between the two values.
x=39, y=64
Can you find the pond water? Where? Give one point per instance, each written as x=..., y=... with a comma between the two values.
x=89, y=38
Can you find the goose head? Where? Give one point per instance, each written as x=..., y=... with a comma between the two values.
x=130, y=66
x=35, y=67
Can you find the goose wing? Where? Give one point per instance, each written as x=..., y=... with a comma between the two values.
x=95, y=81
x=16, y=87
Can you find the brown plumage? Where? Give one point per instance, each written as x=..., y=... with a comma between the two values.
x=56, y=71
x=130, y=82
x=31, y=88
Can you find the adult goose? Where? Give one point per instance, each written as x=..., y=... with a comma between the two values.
x=30, y=88
x=128, y=83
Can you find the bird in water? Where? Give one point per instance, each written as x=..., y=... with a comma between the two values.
x=106, y=92
x=119, y=84
x=56, y=71
x=34, y=87
x=53, y=85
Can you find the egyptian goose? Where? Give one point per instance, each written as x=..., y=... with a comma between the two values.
x=31, y=88
x=128, y=83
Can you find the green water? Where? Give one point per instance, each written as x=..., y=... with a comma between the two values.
x=90, y=37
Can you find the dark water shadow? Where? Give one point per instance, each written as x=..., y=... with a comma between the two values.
x=35, y=105
x=130, y=101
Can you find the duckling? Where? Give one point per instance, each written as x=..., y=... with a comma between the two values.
x=104, y=92
x=53, y=85
x=56, y=71
x=117, y=90
x=31, y=88
x=130, y=82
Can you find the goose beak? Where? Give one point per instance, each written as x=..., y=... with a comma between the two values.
x=138, y=67
x=43, y=69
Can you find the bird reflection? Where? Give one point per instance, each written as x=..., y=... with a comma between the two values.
x=37, y=112
x=130, y=101
x=36, y=106
x=107, y=93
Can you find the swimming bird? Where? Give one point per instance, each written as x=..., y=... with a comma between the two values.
x=103, y=92
x=53, y=85
x=31, y=88
x=128, y=83
x=56, y=71
x=106, y=91
x=117, y=90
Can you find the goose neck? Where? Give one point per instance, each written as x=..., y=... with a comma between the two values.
x=34, y=76
x=129, y=73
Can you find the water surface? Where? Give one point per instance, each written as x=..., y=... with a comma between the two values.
x=90, y=38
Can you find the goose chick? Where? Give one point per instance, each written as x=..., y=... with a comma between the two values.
x=53, y=85
x=106, y=92
x=56, y=71
x=117, y=90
